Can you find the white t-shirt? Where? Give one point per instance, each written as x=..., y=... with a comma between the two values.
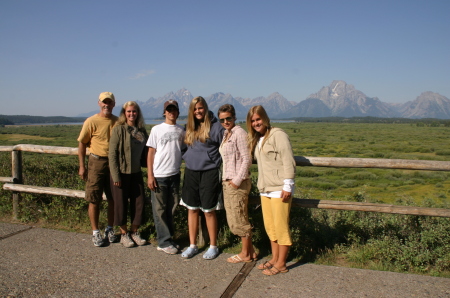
x=168, y=140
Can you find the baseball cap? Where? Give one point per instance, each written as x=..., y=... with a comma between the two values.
x=170, y=103
x=105, y=95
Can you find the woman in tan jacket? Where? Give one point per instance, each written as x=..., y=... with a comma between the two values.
x=126, y=147
x=276, y=172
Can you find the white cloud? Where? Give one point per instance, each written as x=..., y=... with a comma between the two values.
x=142, y=74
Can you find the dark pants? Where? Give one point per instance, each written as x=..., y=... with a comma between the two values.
x=164, y=202
x=129, y=196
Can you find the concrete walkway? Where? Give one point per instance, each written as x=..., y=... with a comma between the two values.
x=38, y=262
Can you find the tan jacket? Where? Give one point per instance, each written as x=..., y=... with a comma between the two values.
x=120, y=151
x=275, y=161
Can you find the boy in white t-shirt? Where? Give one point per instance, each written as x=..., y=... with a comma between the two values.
x=165, y=144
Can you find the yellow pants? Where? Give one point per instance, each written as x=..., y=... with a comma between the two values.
x=276, y=219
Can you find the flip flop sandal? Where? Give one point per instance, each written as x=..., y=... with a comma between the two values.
x=237, y=259
x=265, y=265
x=274, y=271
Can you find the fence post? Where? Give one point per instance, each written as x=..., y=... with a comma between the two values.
x=16, y=159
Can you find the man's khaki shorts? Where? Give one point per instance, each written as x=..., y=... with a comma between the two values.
x=97, y=180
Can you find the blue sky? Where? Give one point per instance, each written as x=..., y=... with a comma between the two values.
x=57, y=56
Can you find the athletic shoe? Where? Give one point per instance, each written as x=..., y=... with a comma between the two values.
x=97, y=239
x=126, y=240
x=137, y=238
x=211, y=253
x=189, y=252
x=176, y=245
x=171, y=250
x=111, y=235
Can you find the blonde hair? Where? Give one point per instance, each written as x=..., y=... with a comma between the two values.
x=140, y=123
x=253, y=135
x=197, y=130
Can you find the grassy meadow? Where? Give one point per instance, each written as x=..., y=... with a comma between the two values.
x=371, y=140
x=402, y=243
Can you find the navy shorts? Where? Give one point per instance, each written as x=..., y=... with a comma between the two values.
x=201, y=190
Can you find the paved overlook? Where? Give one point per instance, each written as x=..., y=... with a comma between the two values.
x=38, y=262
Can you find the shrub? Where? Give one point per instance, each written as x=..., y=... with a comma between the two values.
x=301, y=172
x=363, y=175
x=325, y=185
x=348, y=183
x=443, y=152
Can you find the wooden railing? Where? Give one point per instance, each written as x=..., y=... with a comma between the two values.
x=15, y=183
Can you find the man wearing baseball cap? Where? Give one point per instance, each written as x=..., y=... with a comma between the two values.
x=165, y=144
x=95, y=135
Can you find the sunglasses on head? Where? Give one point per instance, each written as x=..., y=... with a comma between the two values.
x=229, y=119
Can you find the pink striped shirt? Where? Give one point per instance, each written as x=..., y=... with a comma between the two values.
x=235, y=155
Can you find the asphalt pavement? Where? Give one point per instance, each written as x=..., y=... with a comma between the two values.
x=37, y=262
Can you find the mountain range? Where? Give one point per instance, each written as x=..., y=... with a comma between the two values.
x=339, y=99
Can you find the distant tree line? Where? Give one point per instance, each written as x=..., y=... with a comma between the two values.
x=25, y=119
x=4, y=121
x=419, y=122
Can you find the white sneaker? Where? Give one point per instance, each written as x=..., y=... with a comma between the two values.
x=110, y=235
x=98, y=239
x=126, y=240
x=137, y=238
x=171, y=250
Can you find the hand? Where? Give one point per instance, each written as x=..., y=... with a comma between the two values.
x=233, y=185
x=82, y=173
x=152, y=184
x=285, y=196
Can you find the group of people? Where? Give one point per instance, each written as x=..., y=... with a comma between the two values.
x=217, y=154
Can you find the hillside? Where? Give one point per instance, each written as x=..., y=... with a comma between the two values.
x=339, y=99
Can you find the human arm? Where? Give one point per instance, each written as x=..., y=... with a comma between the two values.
x=113, y=155
x=285, y=196
x=151, y=181
x=81, y=160
x=289, y=166
x=245, y=160
x=288, y=189
x=286, y=154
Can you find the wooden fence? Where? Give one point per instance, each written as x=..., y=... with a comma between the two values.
x=15, y=183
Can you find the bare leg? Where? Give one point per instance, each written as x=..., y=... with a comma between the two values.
x=275, y=251
x=123, y=229
x=283, y=251
x=193, y=225
x=134, y=228
x=211, y=223
x=94, y=213
x=247, y=253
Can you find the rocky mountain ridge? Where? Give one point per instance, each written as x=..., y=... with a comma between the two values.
x=339, y=99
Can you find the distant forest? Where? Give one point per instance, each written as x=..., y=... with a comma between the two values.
x=424, y=121
x=25, y=119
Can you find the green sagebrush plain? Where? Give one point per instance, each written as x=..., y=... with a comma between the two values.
x=401, y=243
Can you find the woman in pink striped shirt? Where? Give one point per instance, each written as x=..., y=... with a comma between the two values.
x=235, y=181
